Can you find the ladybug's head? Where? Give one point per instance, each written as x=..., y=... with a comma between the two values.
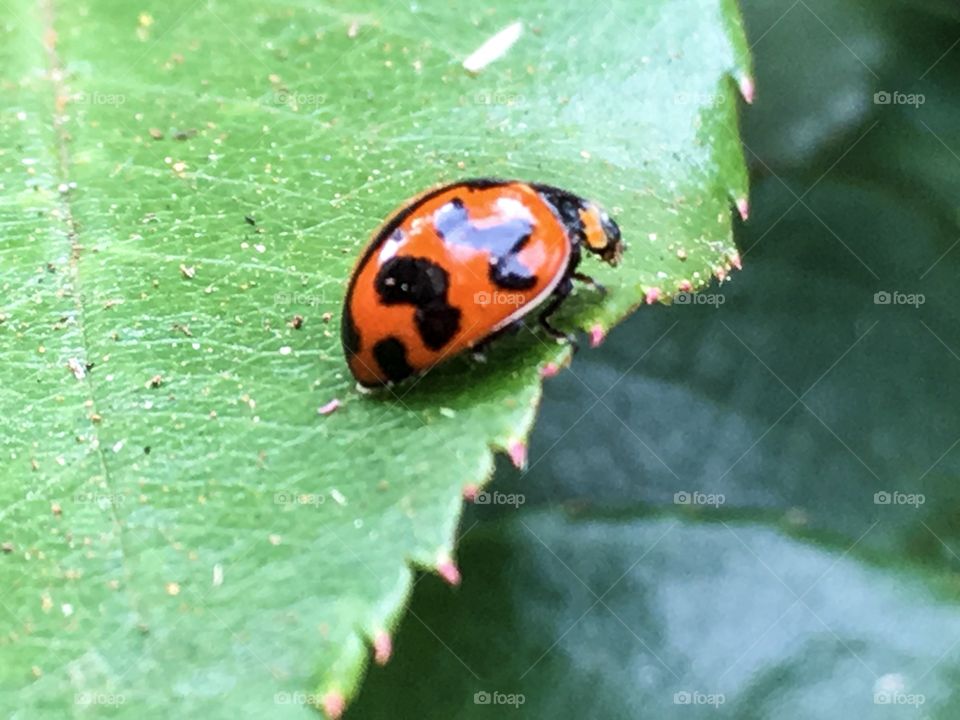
x=602, y=234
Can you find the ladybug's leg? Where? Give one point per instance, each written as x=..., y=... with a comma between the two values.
x=587, y=280
x=560, y=294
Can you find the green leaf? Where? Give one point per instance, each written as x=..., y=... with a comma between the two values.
x=182, y=530
x=653, y=616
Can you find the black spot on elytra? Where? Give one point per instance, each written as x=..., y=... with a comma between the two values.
x=391, y=355
x=424, y=285
x=437, y=324
x=407, y=280
x=349, y=336
x=503, y=241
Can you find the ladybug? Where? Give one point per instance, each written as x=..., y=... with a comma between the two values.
x=462, y=263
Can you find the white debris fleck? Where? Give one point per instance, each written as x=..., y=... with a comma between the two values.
x=217, y=575
x=66, y=609
x=286, y=350
x=338, y=497
x=118, y=446
x=77, y=368
x=260, y=247
x=494, y=48
x=329, y=407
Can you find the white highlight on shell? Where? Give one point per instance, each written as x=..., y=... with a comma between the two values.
x=512, y=209
x=388, y=250
x=494, y=48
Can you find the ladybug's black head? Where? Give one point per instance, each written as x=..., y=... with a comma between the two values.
x=602, y=234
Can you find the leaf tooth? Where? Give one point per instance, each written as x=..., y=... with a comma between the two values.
x=448, y=570
x=743, y=207
x=597, y=335
x=382, y=647
x=518, y=454
x=653, y=294
x=748, y=88
x=549, y=370
x=334, y=704
x=470, y=491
